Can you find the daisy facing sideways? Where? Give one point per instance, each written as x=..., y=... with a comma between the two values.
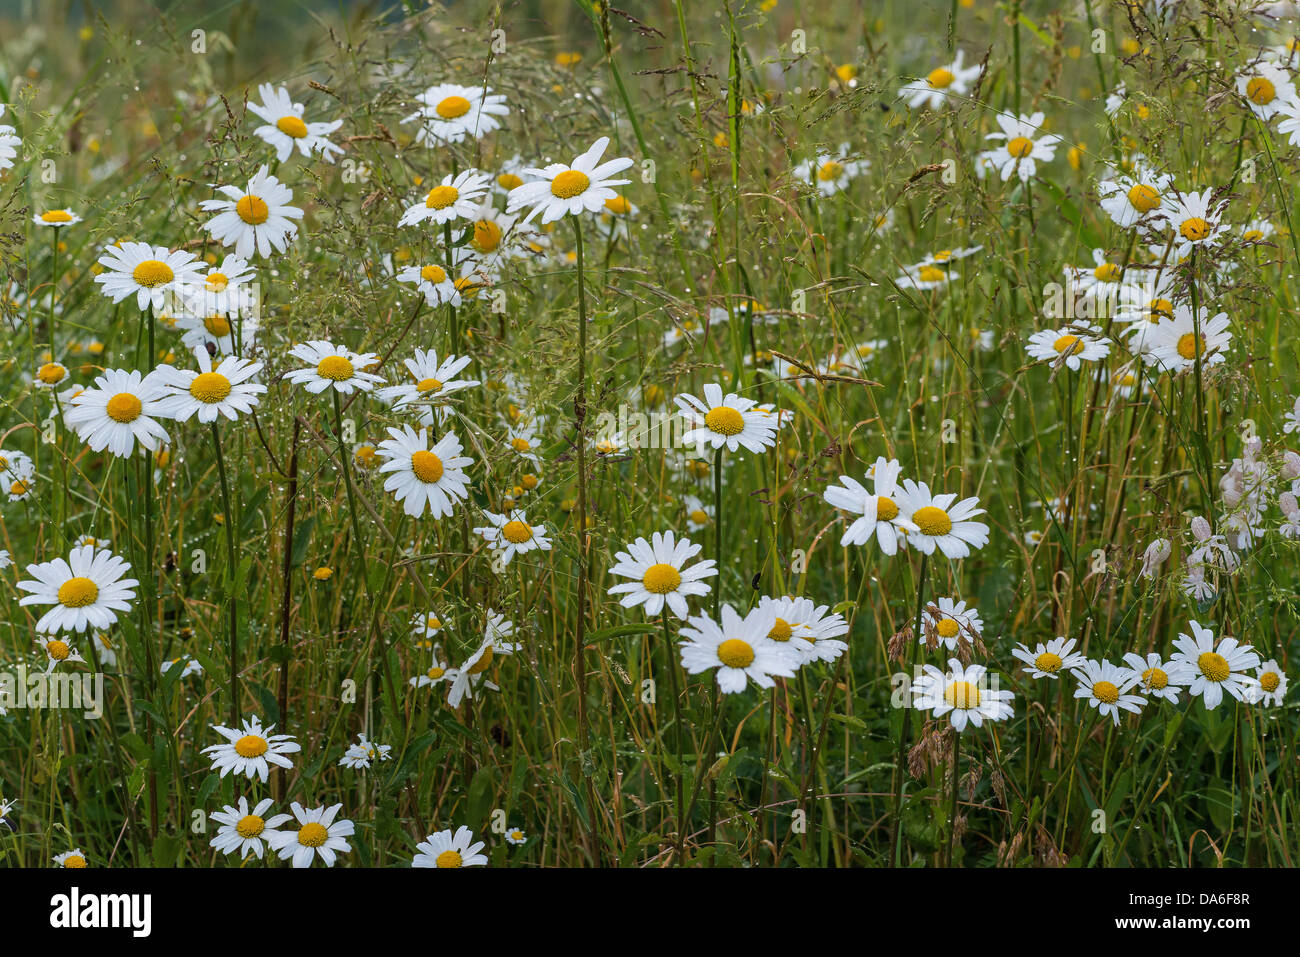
x=940, y=524
x=558, y=190
x=250, y=750
x=86, y=590
x=285, y=128
x=258, y=219
x=332, y=367
x=433, y=381
x=805, y=629
x=961, y=693
x=878, y=511
x=118, y=411
x=728, y=420
x=420, y=476
x=1215, y=669
x=660, y=574
x=1104, y=685
x=1050, y=659
x=318, y=835
x=739, y=648
x=445, y=849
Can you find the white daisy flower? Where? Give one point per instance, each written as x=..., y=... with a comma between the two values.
x=436, y=673
x=242, y=831
x=56, y=218
x=72, y=859
x=1050, y=659
x=560, y=190
x=726, y=420
x=474, y=668
x=1215, y=669
x=830, y=172
x=434, y=282
x=445, y=849
x=56, y=651
x=879, y=513
x=456, y=197
x=50, y=375
x=1270, y=684
x=948, y=622
x=319, y=834
x=332, y=367
x=285, y=127
x=257, y=219
x=119, y=411
x=1265, y=87
x=738, y=647
x=515, y=837
x=9, y=143
x=1197, y=220
x=223, y=290
x=223, y=390
x=147, y=272
x=1025, y=146
x=939, y=84
x=1104, y=685
x=961, y=693
x=941, y=524
x=1070, y=346
x=1135, y=197
x=806, y=629
x=87, y=590
x=1157, y=677
x=189, y=666
x=450, y=112
x=250, y=750
x=364, y=752
x=1174, y=344
x=421, y=476
x=433, y=381
x=660, y=574
x=510, y=535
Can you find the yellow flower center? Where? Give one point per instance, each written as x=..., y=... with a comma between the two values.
x=216, y=281
x=250, y=825
x=569, y=184
x=962, y=694
x=433, y=274
x=1143, y=198
x=152, y=272
x=76, y=860
x=932, y=521
x=435, y=672
x=123, y=407
x=520, y=444
x=487, y=236
x=509, y=181
x=452, y=107
x=210, y=387
x=618, y=205
x=735, y=653
x=448, y=859
x=312, y=835
x=426, y=386
x=1260, y=90
x=830, y=171
x=1189, y=346
x=1195, y=229
x=886, y=509
x=58, y=650
x=19, y=487
x=947, y=628
x=1020, y=147
x=440, y=197
x=1068, y=345
x=940, y=78
x=1105, y=692
x=335, y=368
x=1161, y=307
x=699, y=516
x=251, y=746
x=51, y=372
x=1214, y=666
x=516, y=532
x=426, y=466
x=291, y=126
x=1107, y=272
x=323, y=574
x=724, y=420
x=1269, y=681
x=928, y=273
x=781, y=631
x=1155, y=679
x=78, y=592
x=252, y=210
x=56, y=216
x=661, y=579
x=1048, y=662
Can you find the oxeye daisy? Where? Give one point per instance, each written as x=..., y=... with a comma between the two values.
x=1288, y=125
x=56, y=218
x=285, y=128
x=445, y=849
x=560, y=190
x=1050, y=659
x=188, y=666
x=1104, y=686
x=223, y=390
x=830, y=172
x=924, y=276
x=1213, y=668
x=1136, y=197
x=332, y=367
x=474, y=668
x=86, y=590
x=1070, y=346
x=450, y=112
x=728, y=420
x=1270, y=684
x=318, y=835
x=359, y=756
x=456, y=197
x=1025, y=145
x=515, y=837
x=878, y=512
x=426, y=626
x=224, y=290
x=433, y=381
x=523, y=441
x=118, y=411
x=21, y=487
x=56, y=651
x=421, y=476
x=226, y=335
x=1157, y=677
x=935, y=88
x=961, y=693
x=510, y=535
x=1175, y=343
x=1265, y=87
x=433, y=280
x=242, y=831
x=437, y=672
x=739, y=648
x=9, y=143
x=15, y=464
x=948, y=622
x=147, y=272
x=698, y=515
x=806, y=629
x=1196, y=219
x=50, y=375
x=71, y=859
x=256, y=219
x=660, y=575
x=940, y=523
x=251, y=749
